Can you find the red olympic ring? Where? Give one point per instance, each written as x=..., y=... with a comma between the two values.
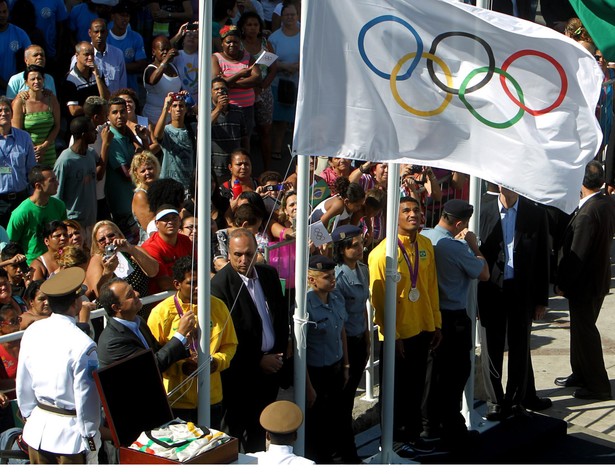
x=556, y=65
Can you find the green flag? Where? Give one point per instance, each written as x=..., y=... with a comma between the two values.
x=598, y=17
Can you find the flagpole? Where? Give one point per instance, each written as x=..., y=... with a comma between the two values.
x=473, y=419
x=301, y=265
x=203, y=184
x=387, y=390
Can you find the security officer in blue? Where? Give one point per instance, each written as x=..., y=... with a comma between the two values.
x=352, y=281
x=327, y=362
x=458, y=262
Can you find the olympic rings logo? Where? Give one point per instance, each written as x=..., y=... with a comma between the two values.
x=463, y=91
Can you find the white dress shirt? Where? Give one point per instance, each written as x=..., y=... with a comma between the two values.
x=278, y=454
x=256, y=292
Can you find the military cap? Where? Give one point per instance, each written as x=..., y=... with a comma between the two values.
x=345, y=232
x=458, y=208
x=281, y=417
x=321, y=263
x=65, y=282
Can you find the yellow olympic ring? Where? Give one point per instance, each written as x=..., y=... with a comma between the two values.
x=403, y=104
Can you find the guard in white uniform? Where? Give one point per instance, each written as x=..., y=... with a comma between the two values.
x=281, y=420
x=56, y=392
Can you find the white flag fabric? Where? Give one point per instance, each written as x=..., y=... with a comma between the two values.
x=449, y=85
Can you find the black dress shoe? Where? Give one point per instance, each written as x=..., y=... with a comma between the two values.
x=570, y=381
x=538, y=403
x=585, y=394
x=494, y=413
x=518, y=411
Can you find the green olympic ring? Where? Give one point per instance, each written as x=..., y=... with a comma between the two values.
x=508, y=123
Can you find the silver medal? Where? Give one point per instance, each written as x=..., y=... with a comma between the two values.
x=414, y=295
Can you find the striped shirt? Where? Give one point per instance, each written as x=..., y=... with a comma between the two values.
x=237, y=96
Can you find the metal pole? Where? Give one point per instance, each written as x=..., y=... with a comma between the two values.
x=301, y=264
x=471, y=417
x=203, y=184
x=390, y=317
x=473, y=420
x=369, y=369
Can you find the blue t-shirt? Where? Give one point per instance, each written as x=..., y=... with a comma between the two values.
x=12, y=40
x=131, y=44
x=79, y=21
x=48, y=14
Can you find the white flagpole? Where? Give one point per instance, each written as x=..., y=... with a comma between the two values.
x=301, y=265
x=203, y=184
x=473, y=419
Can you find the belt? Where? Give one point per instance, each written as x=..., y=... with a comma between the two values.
x=56, y=410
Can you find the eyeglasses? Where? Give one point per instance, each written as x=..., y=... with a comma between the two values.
x=11, y=322
x=103, y=239
x=190, y=227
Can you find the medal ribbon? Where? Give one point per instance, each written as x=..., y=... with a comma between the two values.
x=180, y=311
x=414, y=270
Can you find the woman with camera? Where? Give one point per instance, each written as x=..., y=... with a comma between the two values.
x=160, y=78
x=112, y=255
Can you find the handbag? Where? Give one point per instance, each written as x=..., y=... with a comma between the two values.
x=287, y=92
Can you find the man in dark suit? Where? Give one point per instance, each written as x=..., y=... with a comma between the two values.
x=584, y=277
x=125, y=333
x=514, y=233
x=254, y=296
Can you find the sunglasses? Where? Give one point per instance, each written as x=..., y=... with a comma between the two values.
x=103, y=239
x=11, y=322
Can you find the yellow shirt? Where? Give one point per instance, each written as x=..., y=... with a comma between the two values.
x=163, y=321
x=412, y=318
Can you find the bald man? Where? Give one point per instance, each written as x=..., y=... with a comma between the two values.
x=34, y=54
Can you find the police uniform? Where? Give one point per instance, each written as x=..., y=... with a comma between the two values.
x=325, y=355
x=282, y=417
x=450, y=363
x=353, y=284
x=56, y=392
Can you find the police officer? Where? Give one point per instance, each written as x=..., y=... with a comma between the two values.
x=281, y=420
x=55, y=387
x=352, y=281
x=458, y=261
x=327, y=362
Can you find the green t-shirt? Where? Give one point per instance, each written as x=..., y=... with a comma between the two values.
x=28, y=221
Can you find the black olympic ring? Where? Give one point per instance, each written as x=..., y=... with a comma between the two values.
x=490, y=67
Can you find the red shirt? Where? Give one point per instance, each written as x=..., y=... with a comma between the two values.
x=166, y=255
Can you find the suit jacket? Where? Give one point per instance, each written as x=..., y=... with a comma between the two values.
x=584, y=270
x=117, y=342
x=228, y=286
x=530, y=257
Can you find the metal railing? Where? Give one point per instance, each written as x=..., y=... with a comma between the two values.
x=97, y=313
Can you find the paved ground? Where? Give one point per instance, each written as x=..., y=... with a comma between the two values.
x=588, y=422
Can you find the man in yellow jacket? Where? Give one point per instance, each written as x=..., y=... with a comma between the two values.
x=164, y=322
x=418, y=318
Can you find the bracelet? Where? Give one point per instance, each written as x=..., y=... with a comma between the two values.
x=347, y=366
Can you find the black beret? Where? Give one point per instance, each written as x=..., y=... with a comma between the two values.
x=458, y=208
x=321, y=263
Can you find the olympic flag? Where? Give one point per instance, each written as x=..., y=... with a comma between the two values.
x=449, y=85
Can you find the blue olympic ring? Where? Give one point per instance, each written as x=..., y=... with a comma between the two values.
x=381, y=19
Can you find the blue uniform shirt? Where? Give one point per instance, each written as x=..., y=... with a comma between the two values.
x=456, y=265
x=354, y=287
x=324, y=335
